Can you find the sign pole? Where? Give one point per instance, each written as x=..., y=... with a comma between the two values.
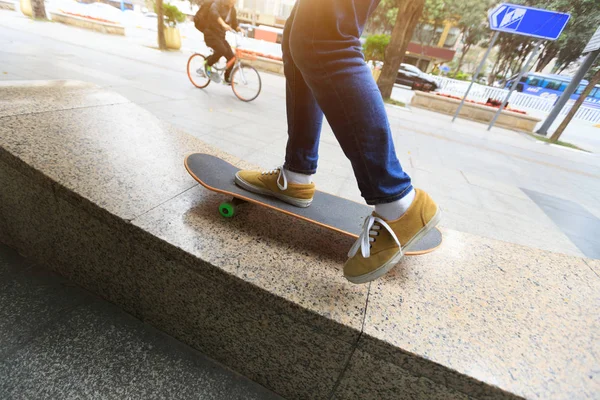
x=564, y=98
x=516, y=82
x=593, y=50
x=479, y=68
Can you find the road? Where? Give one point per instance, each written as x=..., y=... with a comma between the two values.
x=498, y=184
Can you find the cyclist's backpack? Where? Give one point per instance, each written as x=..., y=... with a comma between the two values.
x=200, y=19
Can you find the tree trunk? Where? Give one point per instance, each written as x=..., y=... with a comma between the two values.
x=38, y=9
x=523, y=57
x=559, y=131
x=409, y=12
x=562, y=68
x=507, y=67
x=545, y=59
x=502, y=66
x=161, y=25
x=465, y=50
x=492, y=75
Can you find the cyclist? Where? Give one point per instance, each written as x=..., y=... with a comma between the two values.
x=220, y=17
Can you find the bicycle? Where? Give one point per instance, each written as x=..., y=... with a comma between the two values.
x=245, y=80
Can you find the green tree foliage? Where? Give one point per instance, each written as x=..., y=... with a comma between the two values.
x=473, y=25
x=383, y=18
x=471, y=18
x=435, y=14
x=512, y=53
x=585, y=18
x=375, y=45
x=173, y=15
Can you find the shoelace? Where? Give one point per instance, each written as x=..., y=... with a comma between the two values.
x=366, y=237
x=281, y=171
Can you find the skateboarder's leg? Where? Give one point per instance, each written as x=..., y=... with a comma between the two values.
x=304, y=115
x=292, y=183
x=324, y=45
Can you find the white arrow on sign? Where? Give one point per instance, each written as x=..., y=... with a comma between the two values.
x=512, y=16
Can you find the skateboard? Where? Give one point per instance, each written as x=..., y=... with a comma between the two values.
x=329, y=211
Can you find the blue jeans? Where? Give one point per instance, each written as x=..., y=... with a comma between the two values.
x=326, y=74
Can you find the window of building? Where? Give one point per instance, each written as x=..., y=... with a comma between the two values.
x=423, y=65
x=411, y=60
x=423, y=33
x=453, y=35
x=437, y=36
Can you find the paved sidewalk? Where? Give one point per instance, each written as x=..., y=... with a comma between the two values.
x=476, y=176
x=58, y=341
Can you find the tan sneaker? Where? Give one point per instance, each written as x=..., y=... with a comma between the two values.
x=274, y=183
x=382, y=243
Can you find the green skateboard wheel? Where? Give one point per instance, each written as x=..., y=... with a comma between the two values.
x=227, y=209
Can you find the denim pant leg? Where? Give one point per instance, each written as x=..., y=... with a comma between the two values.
x=324, y=45
x=304, y=115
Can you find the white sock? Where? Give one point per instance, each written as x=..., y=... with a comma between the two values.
x=394, y=210
x=299, y=179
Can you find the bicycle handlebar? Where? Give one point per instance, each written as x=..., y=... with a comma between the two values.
x=242, y=33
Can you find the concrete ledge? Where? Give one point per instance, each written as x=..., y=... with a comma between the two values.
x=475, y=112
x=8, y=5
x=267, y=64
x=97, y=189
x=86, y=23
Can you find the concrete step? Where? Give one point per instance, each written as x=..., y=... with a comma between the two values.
x=58, y=341
x=94, y=187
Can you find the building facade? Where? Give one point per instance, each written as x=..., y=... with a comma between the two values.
x=265, y=12
x=432, y=46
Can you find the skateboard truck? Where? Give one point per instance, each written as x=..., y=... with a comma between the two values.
x=227, y=209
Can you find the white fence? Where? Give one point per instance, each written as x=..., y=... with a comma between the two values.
x=517, y=100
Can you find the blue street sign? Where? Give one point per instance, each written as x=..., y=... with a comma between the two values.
x=528, y=21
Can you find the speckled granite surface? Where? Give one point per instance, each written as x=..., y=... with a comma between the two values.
x=29, y=97
x=100, y=193
x=58, y=341
x=113, y=173
x=521, y=319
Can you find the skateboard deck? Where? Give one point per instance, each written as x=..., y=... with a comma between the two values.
x=329, y=211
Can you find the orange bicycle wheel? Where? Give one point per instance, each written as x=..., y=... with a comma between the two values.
x=196, y=72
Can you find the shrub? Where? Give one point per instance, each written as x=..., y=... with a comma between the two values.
x=461, y=76
x=172, y=14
